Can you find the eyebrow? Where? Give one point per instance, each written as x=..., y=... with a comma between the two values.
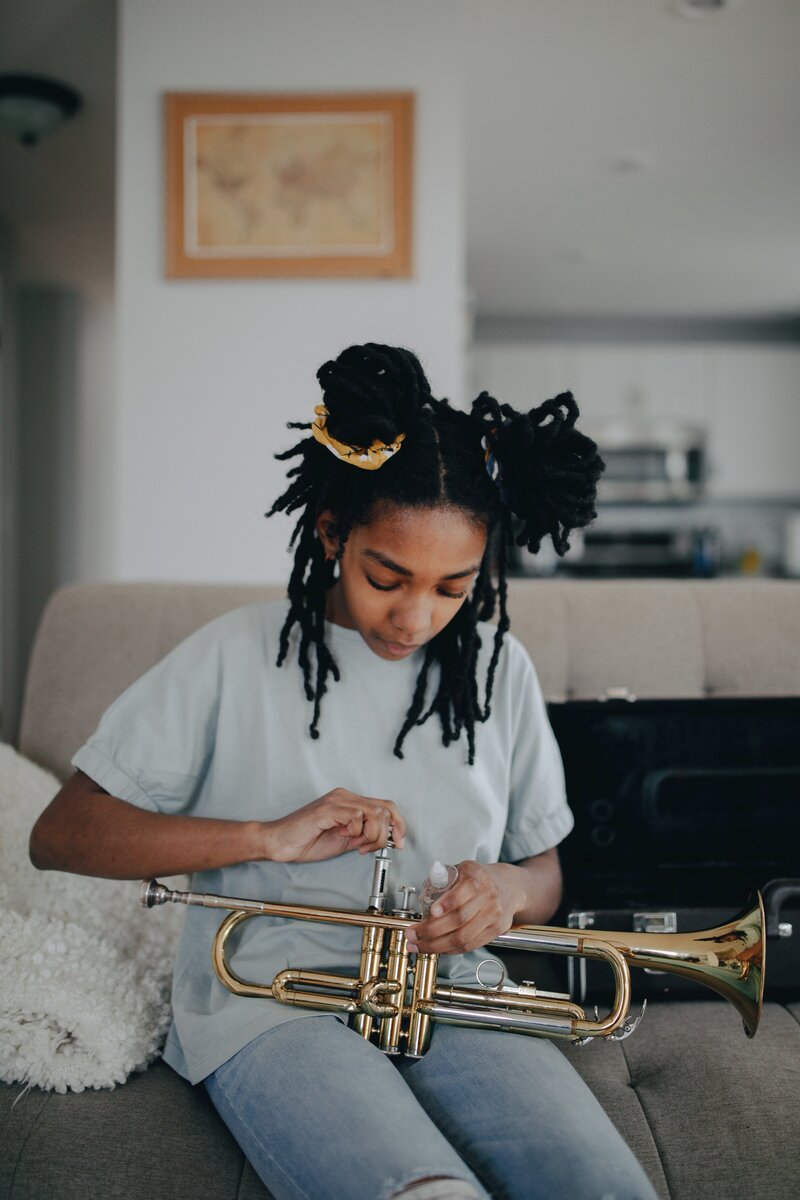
x=393, y=566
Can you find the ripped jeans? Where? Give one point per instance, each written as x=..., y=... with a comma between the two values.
x=323, y=1115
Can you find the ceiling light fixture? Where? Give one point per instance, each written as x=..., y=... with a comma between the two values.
x=702, y=8
x=30, y=106
x=629, y=162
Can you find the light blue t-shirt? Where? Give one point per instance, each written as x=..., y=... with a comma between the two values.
x=218, y=730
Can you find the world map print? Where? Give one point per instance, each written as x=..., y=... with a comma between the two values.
x=288, y=184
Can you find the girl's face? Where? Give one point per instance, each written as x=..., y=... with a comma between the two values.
x=403, y=576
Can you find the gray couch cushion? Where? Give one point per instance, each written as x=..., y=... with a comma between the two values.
x=711, y=1114
x=155, y=1137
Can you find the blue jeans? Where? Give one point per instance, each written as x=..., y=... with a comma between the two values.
x=323, y=1115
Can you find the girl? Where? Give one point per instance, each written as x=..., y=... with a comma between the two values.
x=271, y=753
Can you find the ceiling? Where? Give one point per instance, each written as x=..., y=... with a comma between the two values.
x=623, y=160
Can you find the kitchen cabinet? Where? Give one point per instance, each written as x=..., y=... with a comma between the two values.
x=647, y=383
x=754, y=443
x=522, y=374
x=746, y=396
x=641, y=383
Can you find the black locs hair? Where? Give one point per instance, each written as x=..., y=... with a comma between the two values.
x=545, y=481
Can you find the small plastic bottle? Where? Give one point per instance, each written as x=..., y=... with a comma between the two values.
x=441, y=878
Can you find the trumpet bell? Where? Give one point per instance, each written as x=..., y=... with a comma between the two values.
x=729, y=959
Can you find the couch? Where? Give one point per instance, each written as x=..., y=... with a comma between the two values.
x=708, y=1112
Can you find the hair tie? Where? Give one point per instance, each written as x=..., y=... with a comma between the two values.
x=493, y=465
x=369, y=459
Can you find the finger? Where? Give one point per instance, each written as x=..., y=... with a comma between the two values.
x=353, y=830
x=339, y=796
x=472, y=924
x=458, y=941
x=395, y=817
x=377, y=827
x=434, y=931
x=341, y=813
x=344, y=820
x=398, y=827
x=454, y=918
x=466, y=890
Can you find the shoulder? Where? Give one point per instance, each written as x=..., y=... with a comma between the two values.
x=236, y=637
x=260, y=620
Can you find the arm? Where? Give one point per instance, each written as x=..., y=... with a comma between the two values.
x=487, y=900
x=89, y=832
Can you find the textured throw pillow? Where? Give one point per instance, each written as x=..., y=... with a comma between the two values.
x=84, y=997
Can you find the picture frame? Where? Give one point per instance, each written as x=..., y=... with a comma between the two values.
x=315, y=185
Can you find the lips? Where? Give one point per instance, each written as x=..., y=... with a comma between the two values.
x=399, y=647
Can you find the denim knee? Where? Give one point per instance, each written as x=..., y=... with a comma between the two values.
x=442, y=1188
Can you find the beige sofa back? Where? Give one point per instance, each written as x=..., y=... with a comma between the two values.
x=657, y=638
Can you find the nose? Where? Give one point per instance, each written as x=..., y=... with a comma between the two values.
x=412, y=618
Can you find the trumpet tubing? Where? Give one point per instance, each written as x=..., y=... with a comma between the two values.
x=396, y=996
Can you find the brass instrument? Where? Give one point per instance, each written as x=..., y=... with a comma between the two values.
x=396, y=995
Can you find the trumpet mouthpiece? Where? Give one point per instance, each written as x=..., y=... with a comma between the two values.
x=151, y=892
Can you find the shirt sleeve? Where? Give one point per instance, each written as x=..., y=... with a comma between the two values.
x=154, y=744
x=539, y=816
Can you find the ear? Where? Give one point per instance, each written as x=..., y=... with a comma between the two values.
x=325, y=526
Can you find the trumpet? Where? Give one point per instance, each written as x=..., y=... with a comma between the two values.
x=396, y=995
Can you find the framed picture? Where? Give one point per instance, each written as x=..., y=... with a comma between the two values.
x=314, y=185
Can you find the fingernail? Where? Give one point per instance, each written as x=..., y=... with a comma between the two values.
x=436, y=910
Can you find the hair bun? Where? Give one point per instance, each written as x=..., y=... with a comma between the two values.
x=373, y=391
x=548, y=469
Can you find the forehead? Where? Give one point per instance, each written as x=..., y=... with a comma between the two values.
x=443, y=540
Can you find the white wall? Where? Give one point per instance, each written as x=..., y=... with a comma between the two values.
x=87, y=551
x=58, y=198
x=209, y=371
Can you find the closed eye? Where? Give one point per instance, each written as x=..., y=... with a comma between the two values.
x=382, y=587
x=390, y=587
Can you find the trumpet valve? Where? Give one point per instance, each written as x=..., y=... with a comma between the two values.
x=404, y=909
x=380, y=877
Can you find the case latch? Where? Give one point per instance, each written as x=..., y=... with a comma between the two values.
x=655, y=922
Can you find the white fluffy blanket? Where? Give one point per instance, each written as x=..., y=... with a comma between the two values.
x=84, y=970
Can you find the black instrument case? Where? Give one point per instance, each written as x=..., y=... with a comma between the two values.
x=683, y=808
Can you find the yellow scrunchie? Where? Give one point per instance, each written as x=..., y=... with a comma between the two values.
x=369, y=460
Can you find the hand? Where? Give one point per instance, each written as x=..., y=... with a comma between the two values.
x=480, y=905
x=335, y=823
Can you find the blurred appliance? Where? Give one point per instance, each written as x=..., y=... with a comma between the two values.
x=656, y=551
x=650, y=461
x=791, y=554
